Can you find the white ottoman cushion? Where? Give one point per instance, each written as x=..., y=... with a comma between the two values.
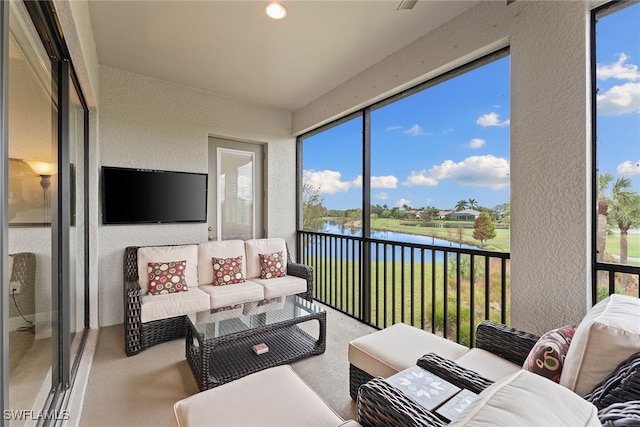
x=527, y=399
x=274, y=397
x=388, y=351
x=607, y=336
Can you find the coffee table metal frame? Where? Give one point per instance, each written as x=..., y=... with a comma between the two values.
x=227, y=353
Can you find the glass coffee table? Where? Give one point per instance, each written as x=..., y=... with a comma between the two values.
x=219, y=351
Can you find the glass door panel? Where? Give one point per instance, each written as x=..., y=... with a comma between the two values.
x=32, y=188
x=236, y=194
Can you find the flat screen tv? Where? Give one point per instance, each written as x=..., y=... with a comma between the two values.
x=142, y=196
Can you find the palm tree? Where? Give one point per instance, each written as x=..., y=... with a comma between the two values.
x=624, y=210
x=473, y=204
x=603, y=210
x=461, y=205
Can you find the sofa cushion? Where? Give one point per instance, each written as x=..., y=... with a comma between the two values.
x=167, y=277
x=527, y=399
x=254, y=247
x=397, y=347
x=240, y=293
x=156, y=307
x=547, y=356
x=227, y=271
x=487, y=364
x=272, y=397
x=608, y=335
x=217, y=249
x=272, y=265
x=189, y=253
x=282, y=286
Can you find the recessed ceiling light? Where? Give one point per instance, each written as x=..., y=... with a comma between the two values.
x=276, y=10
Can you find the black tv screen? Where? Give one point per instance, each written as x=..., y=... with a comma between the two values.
x=134, y=196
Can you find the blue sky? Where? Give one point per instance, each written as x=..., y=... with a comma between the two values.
x=451, y=141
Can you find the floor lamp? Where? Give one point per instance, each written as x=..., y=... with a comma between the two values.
x=45, y=170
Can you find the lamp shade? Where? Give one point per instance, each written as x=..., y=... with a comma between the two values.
x=42, y=168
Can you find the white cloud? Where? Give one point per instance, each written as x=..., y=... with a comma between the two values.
x=326, y=181
x=414, y=130
x=420, y=178
x=476, y=143
x=403, y=202
x=618, y=70
x=476, y=171
x=388, y=181
x=621, y=99
x=382, y=195
x=392, y=128
x=628, y=168
x=491, y=119
x=447, y=131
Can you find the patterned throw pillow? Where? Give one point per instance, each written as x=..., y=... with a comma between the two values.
x=546, y=358
x=272, y=265
x=167, y=277
x=227, y=271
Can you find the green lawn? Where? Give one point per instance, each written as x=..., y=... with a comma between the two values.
x=400, y=293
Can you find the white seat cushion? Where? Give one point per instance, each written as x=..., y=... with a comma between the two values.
x=273, y=397
x=149, y=254
x=527, y=399
x=607, y=336
x=238, y=293
x=254, y=247
x=156, y=307
x=487, y=364
x=282, y=286
x=388, y=351
x=218, y=249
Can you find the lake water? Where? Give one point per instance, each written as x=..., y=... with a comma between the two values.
x=344, y=247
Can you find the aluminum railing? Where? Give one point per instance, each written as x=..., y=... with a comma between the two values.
x=445, y=290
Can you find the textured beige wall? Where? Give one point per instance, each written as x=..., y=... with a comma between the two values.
x=148, y=123
x=550, y=199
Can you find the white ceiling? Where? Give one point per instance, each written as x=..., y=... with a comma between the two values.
x=233, y=49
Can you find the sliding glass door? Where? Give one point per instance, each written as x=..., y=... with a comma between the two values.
x=44, y=215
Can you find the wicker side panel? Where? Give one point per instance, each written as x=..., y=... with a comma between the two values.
x=382, y=405
x=625, y=414
x=132, y=322
x=454, y=373
x=622, y=385
x=130, y=264
x=357, y=377
x=504, y=341
x=304, y=272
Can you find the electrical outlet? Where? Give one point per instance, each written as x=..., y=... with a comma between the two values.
x=15, y=287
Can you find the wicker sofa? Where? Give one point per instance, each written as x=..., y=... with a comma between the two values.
x=601, y=368
x=153, y=319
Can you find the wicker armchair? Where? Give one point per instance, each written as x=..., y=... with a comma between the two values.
x=24, y=272
x=379, y=404
x=139, y=336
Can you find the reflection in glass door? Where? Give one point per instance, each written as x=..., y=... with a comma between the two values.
x=236, y=194
x=33, y=170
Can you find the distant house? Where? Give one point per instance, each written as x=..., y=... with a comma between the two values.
x=464, y=215
x=443, y=214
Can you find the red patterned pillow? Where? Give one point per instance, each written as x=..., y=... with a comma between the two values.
x=167, y=277
x=546, y=358
x=227, y=271
x=272, y=265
